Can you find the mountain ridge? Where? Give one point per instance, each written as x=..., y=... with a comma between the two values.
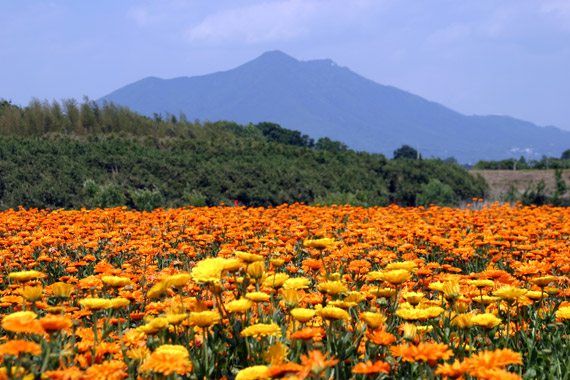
x=323, y=99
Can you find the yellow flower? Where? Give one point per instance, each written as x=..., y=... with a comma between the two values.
x=320, y=243
x=407, y=265
x=95, y=303
x=32, y=293
x=296, y=283
x=375, y=276
x=481, y=283
x=303, y=315
x=332, y=312
x=438, y=286
x=276, y=281
x=239, y=306
x=485, y=300
x=342, y=304
x=138, y=354
x=25, y=276
x=510, y=294
x=409, y=330
x=157, y=290
x=463, y=320
x=119, y=302
x=154, y=326
x=542, y=281
x=232, y=265
x=275, y=354
x=355, y=297
x=61, y=289
x=248, y=258
x=178, y=280
x=277, y=263
x=176, y=319
x=204, y=318
x=373, y=320
x=290, y=296
x=258, y=296
x=333, y=287
x=451, y=291
x=397, y=276
x=419, y=314
x=261, y=330
x=115, y=281
x=413, y=298
x=382, y=292
x=208, y=270
x=256, y=372
x=536, y=294
x=486, y=320
x=563, y=313
x=167, y=360
x=256, y=270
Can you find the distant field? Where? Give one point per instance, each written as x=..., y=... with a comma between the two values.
x=500, y=181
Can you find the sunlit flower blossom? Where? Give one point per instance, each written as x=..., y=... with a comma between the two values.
x=373, y=320
x=397, y=276
x=116, y=281
x=486, y=320
x=61, y=289
x=371, y=368
x=205, y=318
x=25, y=276
x=258, y=296
x=95, y=303
x=320, y=243
x=239, y=306
x=109, y=370
x=333, y=287
x=208, y=270
x=407, y=265
x=303, y=315
x=261, y=330
x=276, y=354
x=256, y=372
x=332, y=312
x=248, y=258
x=16, y=347
x=296, y=283
x=276, y=281
x=168, y=359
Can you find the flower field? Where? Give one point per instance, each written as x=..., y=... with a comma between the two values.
x=292, y=292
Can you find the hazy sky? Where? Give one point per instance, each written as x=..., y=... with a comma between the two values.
x=506, y=57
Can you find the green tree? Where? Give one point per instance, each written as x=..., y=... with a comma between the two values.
x=435, y=192
x=405, y=151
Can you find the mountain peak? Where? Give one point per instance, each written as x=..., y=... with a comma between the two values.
x=275, y=55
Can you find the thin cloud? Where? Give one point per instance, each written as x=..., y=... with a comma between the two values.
x=277, y=21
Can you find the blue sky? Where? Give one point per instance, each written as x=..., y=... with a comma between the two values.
x=508, y=57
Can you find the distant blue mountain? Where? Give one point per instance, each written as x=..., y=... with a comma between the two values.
x=321, y=99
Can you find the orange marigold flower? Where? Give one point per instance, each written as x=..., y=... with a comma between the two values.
x=109, y=370
x=168, y=359
x=22, y=322
x=306, y=333
x=52, y=323
x=369, y=367
x=497, y=359
x=381, y=337
x=283, y=369
x=315, y=362
x=453, y=370
x=18, y=346
x=70, y=373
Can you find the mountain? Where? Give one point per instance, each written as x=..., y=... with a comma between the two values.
x=321, y=99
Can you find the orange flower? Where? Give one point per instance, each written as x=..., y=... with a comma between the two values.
x=369, y=367
x=71, y=373
x=427, y=352
x=16, y=347
x=315, y=362
x=168, y=359
x=22, y=322
x=307, y=333
x=109, y=370
x=486, y=360
x=52, y=323
x=381, y=337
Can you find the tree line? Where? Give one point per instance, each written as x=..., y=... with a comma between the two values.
x=72, y=155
